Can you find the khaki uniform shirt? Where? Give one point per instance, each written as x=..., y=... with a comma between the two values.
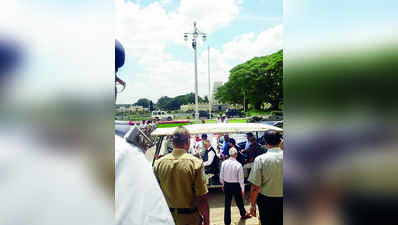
x=181, y=178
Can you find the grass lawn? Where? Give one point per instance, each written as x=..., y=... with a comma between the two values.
x=207, y=121
x=229, y=121
x=172, y=125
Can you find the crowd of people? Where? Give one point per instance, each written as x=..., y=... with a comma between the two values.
x=199, y=163
x=175, y=190
x=222, y=119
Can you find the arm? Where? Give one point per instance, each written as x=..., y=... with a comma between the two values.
x=255, y=178
x=201, y=194
x=203, y=206
x=241, y=180
x=253, y=193
x=222, y=175
x=244, y=151
x=210, y=159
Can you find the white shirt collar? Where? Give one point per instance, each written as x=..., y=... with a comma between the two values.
x=274, y=149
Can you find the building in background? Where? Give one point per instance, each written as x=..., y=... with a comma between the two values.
x=216, y=85
x=138, y=108
x=191, y=107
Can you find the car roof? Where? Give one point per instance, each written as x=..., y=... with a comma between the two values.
x=217, y=128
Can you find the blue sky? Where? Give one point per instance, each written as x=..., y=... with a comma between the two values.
x=159, y=63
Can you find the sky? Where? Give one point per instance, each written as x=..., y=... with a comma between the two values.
x=68, y=48
x=70, y=44
x=160, y=63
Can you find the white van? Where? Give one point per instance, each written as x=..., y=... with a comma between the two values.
x=162, y=115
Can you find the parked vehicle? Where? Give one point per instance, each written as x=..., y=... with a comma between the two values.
x=230, y=113
x=202, y=114
x=162, y=115
x=213, y=130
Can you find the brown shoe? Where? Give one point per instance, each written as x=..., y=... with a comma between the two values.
x=247, y=216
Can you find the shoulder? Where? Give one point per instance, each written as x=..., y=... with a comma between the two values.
x=236, y=163
x=125, y=150
x=196, y=162
x=261, y=158
x=163, y=158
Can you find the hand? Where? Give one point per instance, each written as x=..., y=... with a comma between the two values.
x=243, y=194
x=222, y=188
x=253, y=211
x=205, y=221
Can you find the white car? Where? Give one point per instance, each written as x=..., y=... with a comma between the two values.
x=162, y=115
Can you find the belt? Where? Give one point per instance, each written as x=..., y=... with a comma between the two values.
x=184, y=210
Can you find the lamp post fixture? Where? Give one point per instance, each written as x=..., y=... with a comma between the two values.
x=195, y=35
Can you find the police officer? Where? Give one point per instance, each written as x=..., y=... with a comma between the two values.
x=180, y=176
x=138, y=198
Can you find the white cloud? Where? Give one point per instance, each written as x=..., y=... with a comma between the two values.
x=145, y=31
x=249, y=45
x=64, y=53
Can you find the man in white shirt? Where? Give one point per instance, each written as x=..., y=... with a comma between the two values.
x=138, y=198
x=267, y=181
x=231, y=177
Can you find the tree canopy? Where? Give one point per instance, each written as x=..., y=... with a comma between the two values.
x=259, y=79
x=167, y=103
x=144, y=102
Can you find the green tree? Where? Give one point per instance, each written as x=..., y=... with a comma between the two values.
x=167, y=103
x=151, y=106
x=259, y=78
x=144, y=102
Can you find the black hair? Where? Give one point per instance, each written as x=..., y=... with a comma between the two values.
x=250, y=134
x=272, y=137
x=232, y=141
x=180, y=136
x=10, y=55
x=119, y=55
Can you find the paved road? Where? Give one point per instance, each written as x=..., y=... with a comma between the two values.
x=216, y=202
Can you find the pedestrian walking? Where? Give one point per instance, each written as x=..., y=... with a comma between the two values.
x=231, y=177
x=267, y=181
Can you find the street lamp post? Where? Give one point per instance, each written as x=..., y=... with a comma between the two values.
x=195, y=34
x=208, y=71
x=244, y=101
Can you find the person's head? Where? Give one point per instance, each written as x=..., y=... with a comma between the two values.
x=272, y=138
x=204, y=136
x=252, y=139
x=249, y=136
x=143, y=122
x=226, y=137
x=180, y=138
x=203, y=121
x=148, y=121
x=232, y=142
x=206, y=144
x=119, y=62
x=10, y=58
x=233, y=152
